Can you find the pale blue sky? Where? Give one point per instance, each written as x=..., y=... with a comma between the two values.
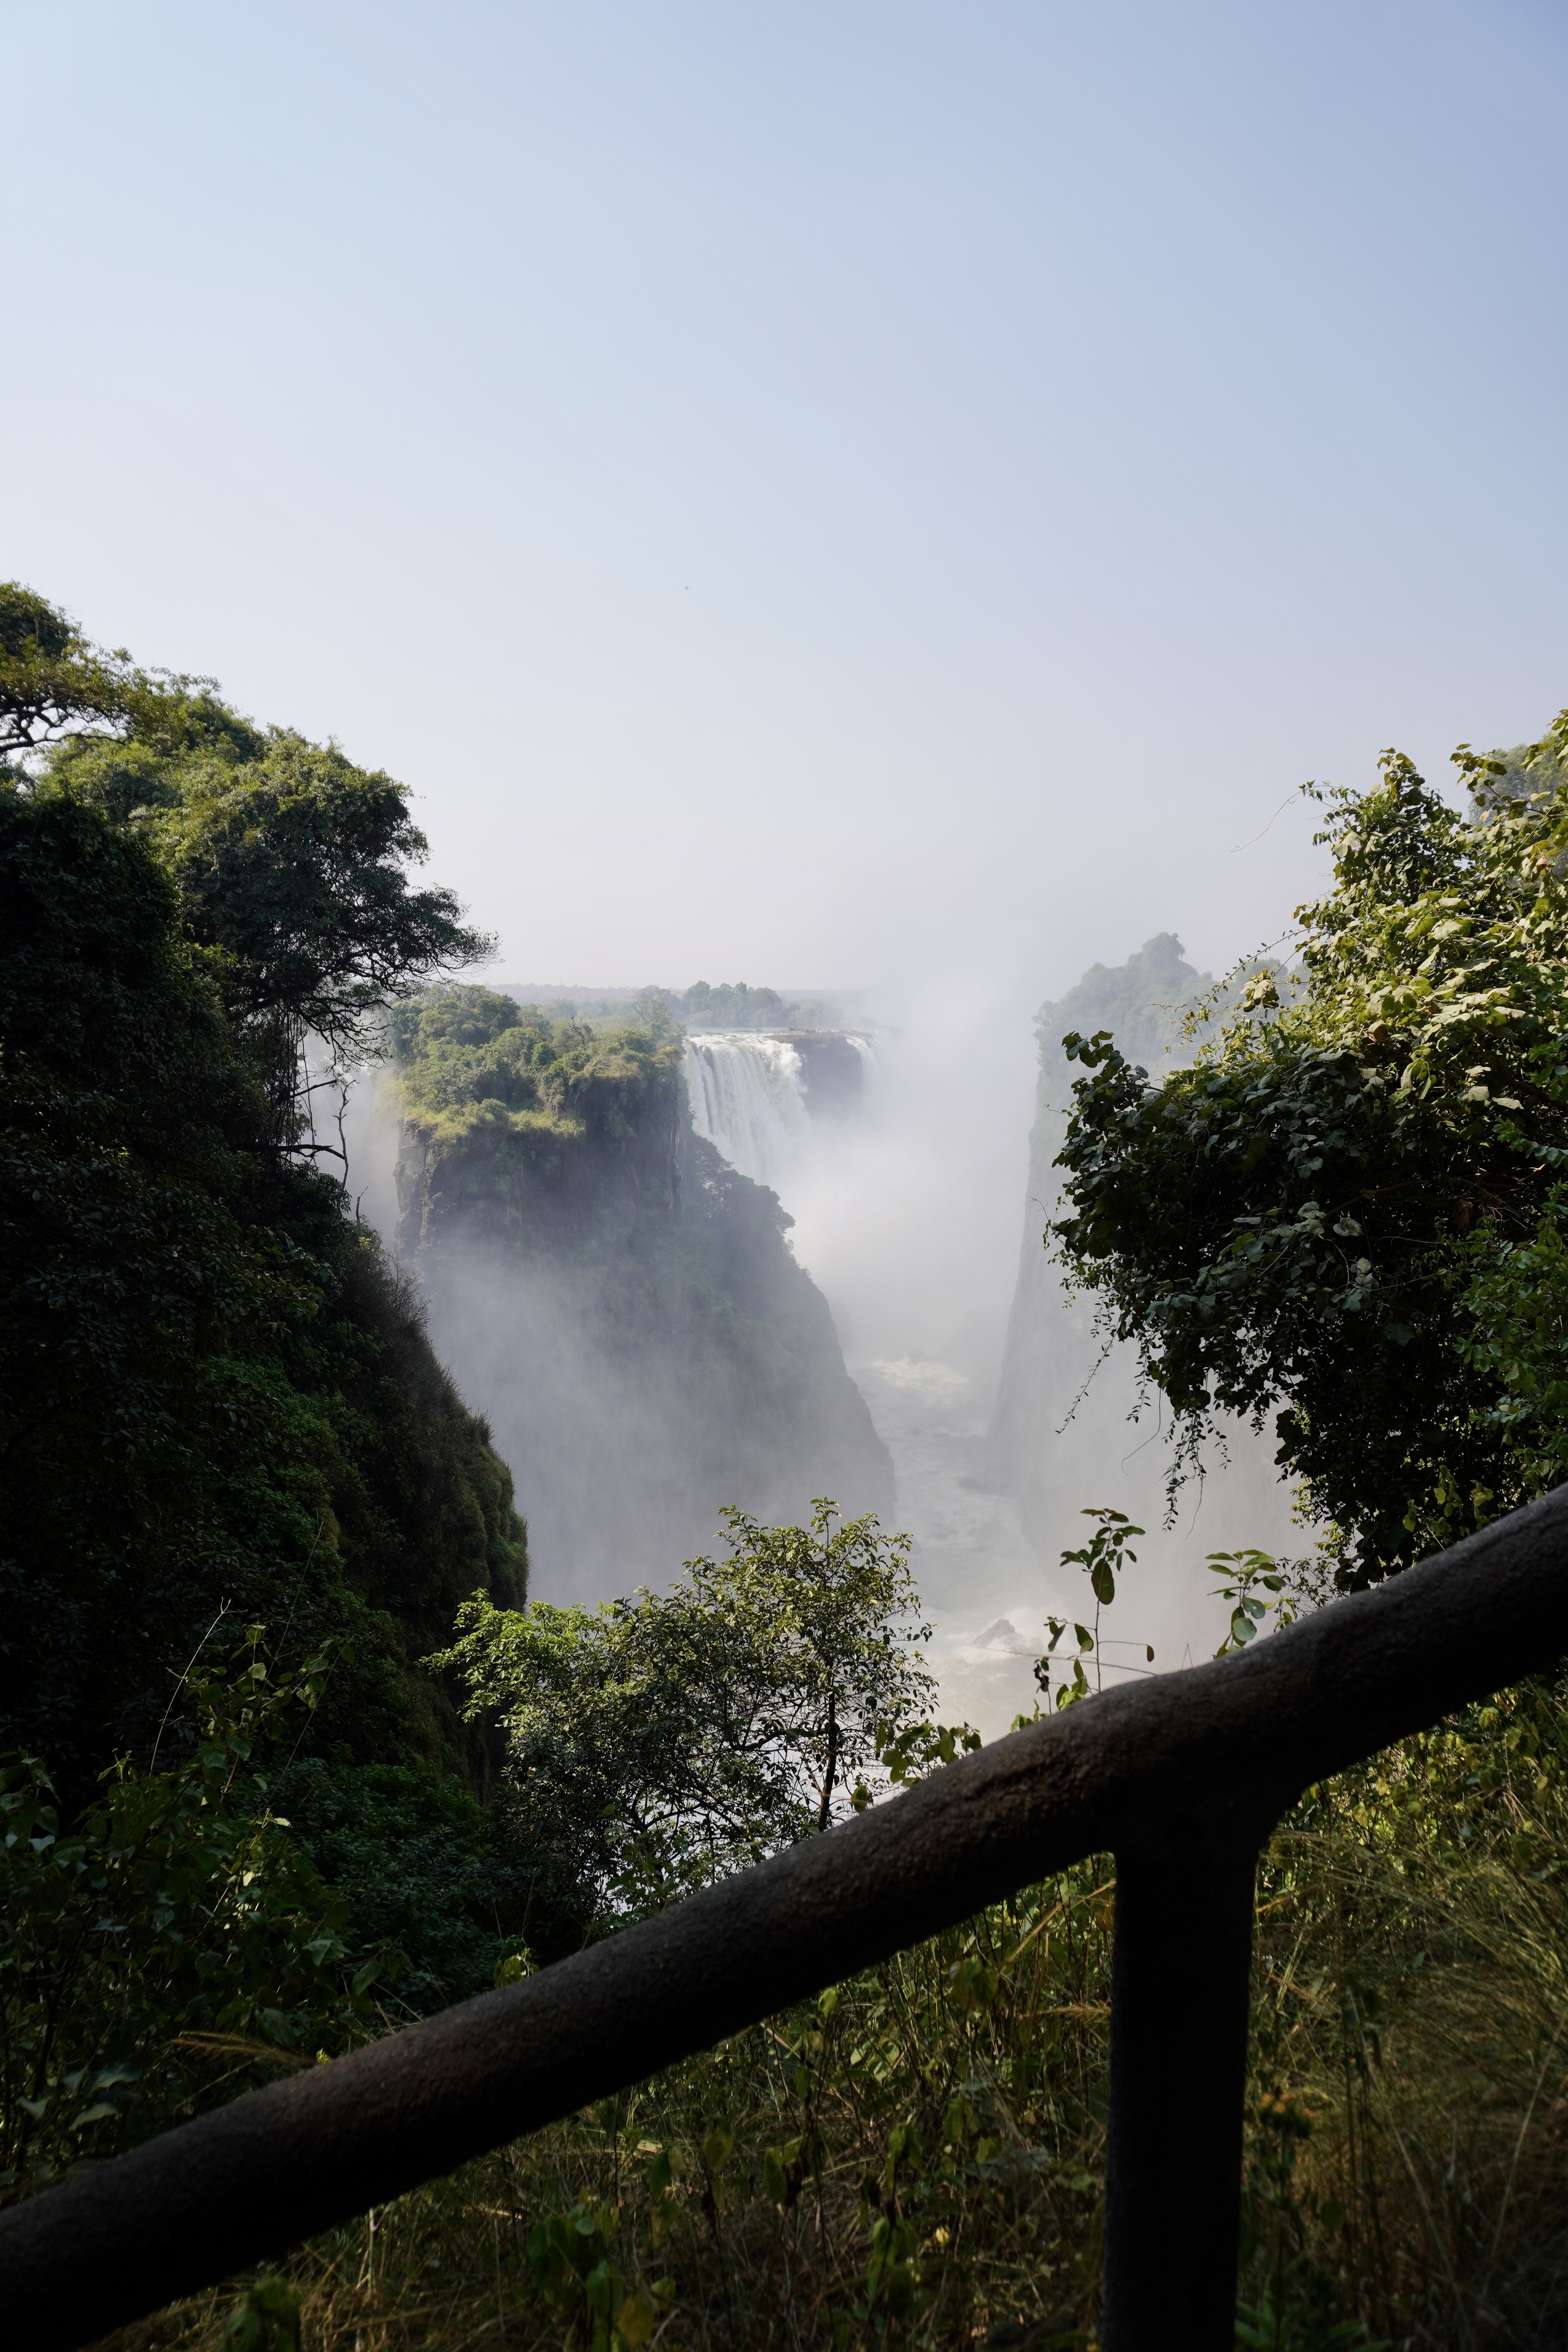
x=811, y=493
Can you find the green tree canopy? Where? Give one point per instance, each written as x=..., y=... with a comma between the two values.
x=55, y=684
x=211, y=1383
x=655, y=1743
x=291, y=868
x=1328, y=1212
x=291, y=864
x=169, y=1941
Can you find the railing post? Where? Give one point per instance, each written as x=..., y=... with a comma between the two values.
x=1180, y=1984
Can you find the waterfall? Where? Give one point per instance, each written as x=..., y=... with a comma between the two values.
x=746, y=1099
x=861, y=1049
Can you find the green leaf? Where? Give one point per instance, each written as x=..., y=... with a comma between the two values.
x=637, y=2318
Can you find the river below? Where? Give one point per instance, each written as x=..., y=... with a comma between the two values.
x=986, y=1589
x=983, y=1589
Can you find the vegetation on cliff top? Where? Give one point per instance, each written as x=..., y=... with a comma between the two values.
x=469, y=1059
x=733, y=1006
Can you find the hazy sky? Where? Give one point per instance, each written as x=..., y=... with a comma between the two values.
x=815, y=493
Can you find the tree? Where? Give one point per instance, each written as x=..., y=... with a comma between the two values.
x=54, y=683
x=291, y=863
x=294, y=867
x=211, y=1382
x=654, y=1743
x=1327, y=1213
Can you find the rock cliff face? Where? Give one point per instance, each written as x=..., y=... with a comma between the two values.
x=624, y=1306
x=1069, y=1428
x=1050, y=1350
x=833, y=1071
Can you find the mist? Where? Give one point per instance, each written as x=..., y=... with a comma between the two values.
x=918, y=1217
x=908, y=1215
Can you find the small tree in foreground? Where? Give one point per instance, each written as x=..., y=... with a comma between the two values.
x=655, y=1743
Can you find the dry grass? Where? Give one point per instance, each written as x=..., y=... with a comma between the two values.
x=917, y=2161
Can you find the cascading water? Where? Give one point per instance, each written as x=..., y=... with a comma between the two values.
x=747, y=1099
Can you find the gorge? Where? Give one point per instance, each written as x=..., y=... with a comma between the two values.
x=618, y=1299
x=602, y=1216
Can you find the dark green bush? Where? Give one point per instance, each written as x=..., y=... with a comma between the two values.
x=212, y=1385
x=411, y=1859
x=173, y=1946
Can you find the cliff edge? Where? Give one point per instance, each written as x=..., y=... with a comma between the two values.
x=624, y=1306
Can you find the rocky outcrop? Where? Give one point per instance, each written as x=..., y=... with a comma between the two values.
x=622, y=1304
x=1050, y=1350
x=833, y=1070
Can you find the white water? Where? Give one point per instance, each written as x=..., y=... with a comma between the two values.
x=746, y=1100
x=984, y=1590
x=868, y=1059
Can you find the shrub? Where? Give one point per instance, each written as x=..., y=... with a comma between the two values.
x=172, y=1947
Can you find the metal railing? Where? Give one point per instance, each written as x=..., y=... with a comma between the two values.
x=1181, y=1779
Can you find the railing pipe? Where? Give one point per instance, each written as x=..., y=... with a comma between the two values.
x=1190, y=1765
x=1181, y=1971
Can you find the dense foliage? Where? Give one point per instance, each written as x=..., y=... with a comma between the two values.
x=171, y=1944
x=290, y=862
x=1344, y=1205
x=469, y=1059
x=656, y=1743
x=412, y=1855
x=212, y=1385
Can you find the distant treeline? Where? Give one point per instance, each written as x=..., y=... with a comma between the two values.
x=733, y=1004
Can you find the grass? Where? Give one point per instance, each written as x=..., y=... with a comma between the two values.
x=916, y=2159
